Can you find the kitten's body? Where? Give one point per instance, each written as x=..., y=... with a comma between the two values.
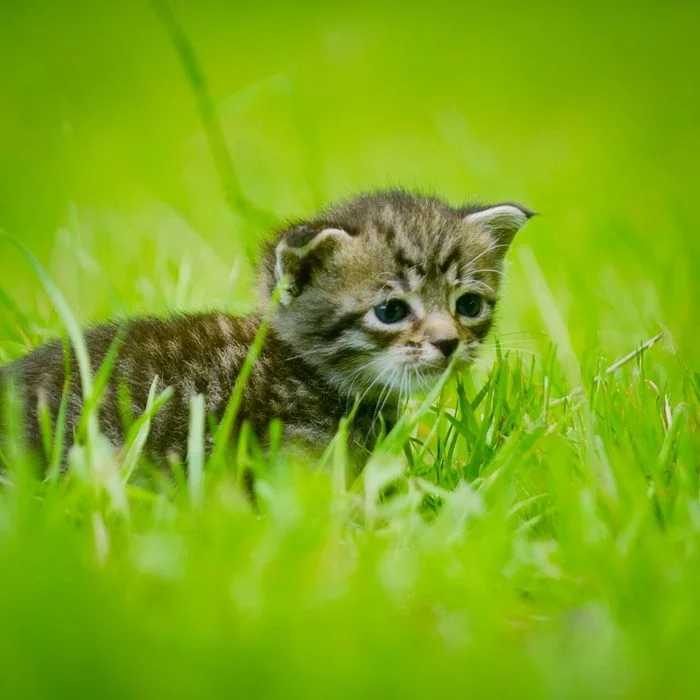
x=193, y=354
x=377, y=294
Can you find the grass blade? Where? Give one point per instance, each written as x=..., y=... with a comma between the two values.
x=195, y=451
x=139, y=431
x=217, y=143
x=74, y=331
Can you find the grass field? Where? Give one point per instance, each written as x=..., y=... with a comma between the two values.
x=544, y=541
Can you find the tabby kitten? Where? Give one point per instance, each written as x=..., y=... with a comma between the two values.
x=377, y=295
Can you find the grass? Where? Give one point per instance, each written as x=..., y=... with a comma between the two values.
x=533, y=529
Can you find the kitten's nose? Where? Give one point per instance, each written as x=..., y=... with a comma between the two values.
x=441, y=331
x=446, y=345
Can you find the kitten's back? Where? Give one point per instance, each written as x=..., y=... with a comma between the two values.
x=192, y=354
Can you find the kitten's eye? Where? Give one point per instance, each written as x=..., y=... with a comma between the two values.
x=391, y=311
x=469, y=305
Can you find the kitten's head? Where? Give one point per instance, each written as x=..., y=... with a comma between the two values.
x=381, y=291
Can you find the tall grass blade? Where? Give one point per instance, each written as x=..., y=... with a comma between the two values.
x=195, y=451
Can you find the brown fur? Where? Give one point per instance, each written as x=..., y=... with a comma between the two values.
x=325, y=346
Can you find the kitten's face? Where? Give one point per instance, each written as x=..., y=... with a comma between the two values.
x=383, y=292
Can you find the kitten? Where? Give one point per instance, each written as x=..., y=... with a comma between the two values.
x=377, y=295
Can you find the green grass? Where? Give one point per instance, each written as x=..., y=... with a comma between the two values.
x=543, y=539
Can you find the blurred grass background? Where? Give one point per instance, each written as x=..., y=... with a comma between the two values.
x=587, y=113
x=576, y=574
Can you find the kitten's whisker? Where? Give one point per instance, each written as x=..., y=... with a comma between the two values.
x=430, y=365
x=478, y=284
x=390, y=372
x=378, y=378
x=357, y=372
x=389, y=388
x=490, y=249
x=407, y=388
x=524, y=351
x=389, y=285
x=497, y=272
x=402, y=386
x=351, y=394
x=385, y=393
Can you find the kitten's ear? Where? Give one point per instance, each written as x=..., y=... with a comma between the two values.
x=301, y=249
x=500, y=221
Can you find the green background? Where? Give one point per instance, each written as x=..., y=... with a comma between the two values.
x=587, y=112
x=569, y=566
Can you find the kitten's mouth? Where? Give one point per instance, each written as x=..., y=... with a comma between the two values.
x=431, y=371
x=405, y=376
x=420, y=377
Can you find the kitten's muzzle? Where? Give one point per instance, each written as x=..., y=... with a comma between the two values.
x=441, y=332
